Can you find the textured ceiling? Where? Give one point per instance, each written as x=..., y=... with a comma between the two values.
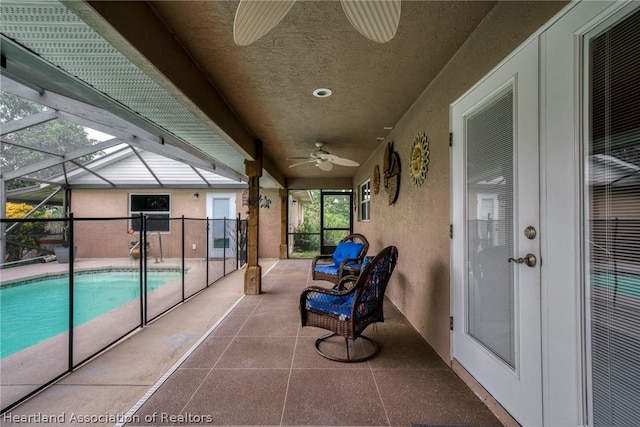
x=174, y=63
x=269, y=84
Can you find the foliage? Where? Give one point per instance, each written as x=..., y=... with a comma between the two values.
x=54, y=136
x=26, y=236
x=306, y=237
x=337, y=210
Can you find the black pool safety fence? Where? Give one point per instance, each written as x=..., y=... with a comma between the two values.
x=71, y=288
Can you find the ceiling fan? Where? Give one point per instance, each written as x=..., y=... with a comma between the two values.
x=377, y=20
x=323, y=159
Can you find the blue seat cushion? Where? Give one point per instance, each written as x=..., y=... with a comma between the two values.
x=339, y=305
x=331, y=269
x=346, y=250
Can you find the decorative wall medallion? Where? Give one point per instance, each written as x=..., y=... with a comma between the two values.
x=391, y=172
x=393, y=187
x=419, y=159
x=376, y=179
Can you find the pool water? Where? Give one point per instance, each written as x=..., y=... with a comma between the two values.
x=38, y=310
x=622, y=283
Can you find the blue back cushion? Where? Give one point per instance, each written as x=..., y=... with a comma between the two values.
x=347, y=250
x=365, y=262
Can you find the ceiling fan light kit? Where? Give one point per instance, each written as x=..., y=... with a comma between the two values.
x=377, y=20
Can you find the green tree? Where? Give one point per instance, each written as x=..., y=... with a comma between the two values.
x=55, y=136
x=337, y=210
x=25, y=236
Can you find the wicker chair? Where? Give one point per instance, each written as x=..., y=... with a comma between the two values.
x=350, y=252
x=350, y=307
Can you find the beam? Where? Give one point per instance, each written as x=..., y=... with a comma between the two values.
x=88, y=115
x=27, y=122
x=26, y=170
x=253, y=274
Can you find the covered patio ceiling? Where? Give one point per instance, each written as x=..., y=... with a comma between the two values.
x=172, y=69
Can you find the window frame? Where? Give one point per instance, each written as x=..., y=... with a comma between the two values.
x=364, y=201
x=133, y=213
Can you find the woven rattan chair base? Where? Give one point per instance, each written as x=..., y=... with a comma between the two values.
x=368, y=353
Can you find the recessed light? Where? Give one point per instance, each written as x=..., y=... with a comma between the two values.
x=322, y=93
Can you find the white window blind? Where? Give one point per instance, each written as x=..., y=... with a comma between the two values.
x=612, y=228
x=490, y=217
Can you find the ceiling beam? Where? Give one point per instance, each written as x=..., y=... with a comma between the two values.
x=27, y=122
x=34, y=167
x=96, y=118
x=100, y=119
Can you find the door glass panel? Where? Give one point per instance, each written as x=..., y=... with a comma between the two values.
x=304, y=223
x=612, y=229
x=336, y=219
x=489, y=221
x=220, y=211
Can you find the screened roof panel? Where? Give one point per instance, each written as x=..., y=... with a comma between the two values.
x=15, y=157
x=48, y=173
x=81, y=52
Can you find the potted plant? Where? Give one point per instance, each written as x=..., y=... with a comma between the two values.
x=134, y=246
x=62, y=252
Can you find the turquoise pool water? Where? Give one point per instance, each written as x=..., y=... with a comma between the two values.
x=627, y=284
x=37, y=310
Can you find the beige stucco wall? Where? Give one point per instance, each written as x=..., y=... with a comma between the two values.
x=269, y=233
x=418, y=223
x=109, y=238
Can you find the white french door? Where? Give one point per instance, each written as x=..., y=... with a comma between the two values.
x=221, y=211
x=496, y=223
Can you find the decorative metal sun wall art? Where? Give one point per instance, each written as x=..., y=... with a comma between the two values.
x=419, y=159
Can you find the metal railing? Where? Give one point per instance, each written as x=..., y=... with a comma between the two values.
x=98, y=289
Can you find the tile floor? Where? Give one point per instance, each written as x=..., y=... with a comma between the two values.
x=259, y=367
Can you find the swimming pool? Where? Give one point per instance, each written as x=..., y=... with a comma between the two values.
x=36, y=310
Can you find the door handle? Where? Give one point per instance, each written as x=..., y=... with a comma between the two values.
x=529, y=259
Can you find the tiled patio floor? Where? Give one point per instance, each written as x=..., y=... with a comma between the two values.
x=259, y=367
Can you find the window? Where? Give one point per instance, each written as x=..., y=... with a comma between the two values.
x=612, y=223
x=156, y=206
x=364, y=200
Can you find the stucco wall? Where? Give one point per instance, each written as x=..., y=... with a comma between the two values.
x=418, y=223
x=109, y=238
x=269, y=234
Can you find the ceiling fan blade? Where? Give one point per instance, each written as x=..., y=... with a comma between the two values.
x=340, y=161
x=302, y=163
x=255, y=18
x=377, y=20
x=325, y=165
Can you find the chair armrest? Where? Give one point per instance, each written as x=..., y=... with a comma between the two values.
x=321, y=290
x=347, y=283
x=347, y=260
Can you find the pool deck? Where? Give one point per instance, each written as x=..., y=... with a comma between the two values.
x=110, y=384
x=222, y=358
